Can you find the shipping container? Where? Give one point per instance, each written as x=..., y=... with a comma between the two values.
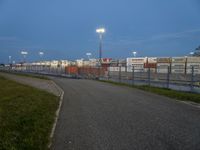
x=193, y=59
x=113, y=68
x=151, y=60
x=163, y=67
x=178, y=65
x=182, y=71
x=136, y=60
x=178, y=59
x=150, y=65
x=71, y=70
x=196, y=68
x=164, y=60
x=137, y=67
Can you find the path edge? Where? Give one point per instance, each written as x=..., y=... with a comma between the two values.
x=61, y=95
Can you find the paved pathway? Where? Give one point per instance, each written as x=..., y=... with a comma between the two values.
x=46, y=85
x=101, y=116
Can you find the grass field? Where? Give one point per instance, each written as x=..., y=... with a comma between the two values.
x=183, y=96
x=26, y=116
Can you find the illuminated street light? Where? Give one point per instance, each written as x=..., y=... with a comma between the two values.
x=24, y=53
x=9, y=59
x=88, y=54
x=100, y=31
x=41, y=54
x=134, y=53
x=191, y=53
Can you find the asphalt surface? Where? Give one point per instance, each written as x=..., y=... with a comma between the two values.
x=101, y=116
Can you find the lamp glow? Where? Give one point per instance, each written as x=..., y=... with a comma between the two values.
x=134, y=54
x=100, y=30
x=24, y=53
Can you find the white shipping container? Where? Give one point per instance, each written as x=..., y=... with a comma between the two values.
x=116, y=69
x=193, y=59
x=151, y=70
x=129, y=69
x=136, y=60
x=123, y=69
x=162, y=70
x=178, y=65
x=195, y=65
x=152, y=60
x=164, y=60
x=113, y=68
x=178, y=71
x=196, y=68
x=178, y=59
x=196, y=71
x=163, y=65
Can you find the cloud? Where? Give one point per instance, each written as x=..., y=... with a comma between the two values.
x=177, y=35
x=182, y=34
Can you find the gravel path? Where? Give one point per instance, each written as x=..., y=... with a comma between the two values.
x=101, y=116
x=42, y=84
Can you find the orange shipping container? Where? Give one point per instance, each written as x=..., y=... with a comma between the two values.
x=150, y=65
x=72, y=70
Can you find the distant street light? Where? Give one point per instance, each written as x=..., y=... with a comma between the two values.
x=191, y=53
x=100, y=31
x=41, y=54
x=88, y=54
x=134, y=54
x=9, y=59
x=24, y=53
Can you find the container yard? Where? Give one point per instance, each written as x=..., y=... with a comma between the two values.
x=160, y=65
x=146, y=70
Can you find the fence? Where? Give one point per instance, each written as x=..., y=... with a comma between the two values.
x=188, y=81
x=149, y=76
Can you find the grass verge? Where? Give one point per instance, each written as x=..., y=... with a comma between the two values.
x=183, y=96
x=26, y=116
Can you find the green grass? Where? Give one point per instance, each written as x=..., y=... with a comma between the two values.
x=183, y=96
x=28, y=75
x=26, y=116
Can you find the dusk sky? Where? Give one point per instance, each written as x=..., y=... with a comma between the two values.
x=65, y=29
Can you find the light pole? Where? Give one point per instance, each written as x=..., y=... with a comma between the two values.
x=41, y=54
x=100, y=31
x=24, y=53
x=88, y=55
x=9, y=59
x=134, y=53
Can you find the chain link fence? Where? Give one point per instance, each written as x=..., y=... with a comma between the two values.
x=188, y=81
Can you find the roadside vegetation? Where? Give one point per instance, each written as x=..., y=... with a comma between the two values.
x=26, y=116
x=179, y=95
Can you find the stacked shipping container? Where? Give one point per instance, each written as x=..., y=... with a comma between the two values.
x=178, y=65
x=163, y=65
x=193, y=62
x=137, y=63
